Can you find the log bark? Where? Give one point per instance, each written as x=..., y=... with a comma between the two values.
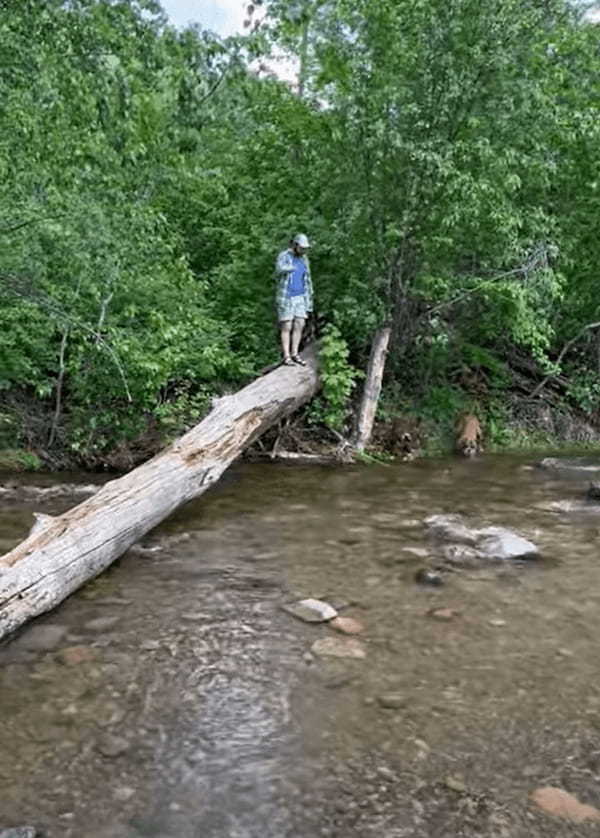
x=372, y=389
x=66, y=551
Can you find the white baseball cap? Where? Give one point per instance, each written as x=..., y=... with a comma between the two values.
x=301, y=240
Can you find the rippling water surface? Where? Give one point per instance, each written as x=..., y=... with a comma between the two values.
x=196, y=709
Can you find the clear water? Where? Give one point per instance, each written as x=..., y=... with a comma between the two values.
x=203, y=712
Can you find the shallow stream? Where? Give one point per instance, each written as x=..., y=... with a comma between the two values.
x=194, y=708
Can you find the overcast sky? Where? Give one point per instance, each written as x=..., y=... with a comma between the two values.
x=222, y=16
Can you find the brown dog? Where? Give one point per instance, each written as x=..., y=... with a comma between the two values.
x=469, y=436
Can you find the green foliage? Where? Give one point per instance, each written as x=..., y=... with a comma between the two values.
x=18, y=460
x=338, y=379
x=442, y=157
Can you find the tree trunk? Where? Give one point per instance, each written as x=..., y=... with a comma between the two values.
x=372, y=389
x=63, y=553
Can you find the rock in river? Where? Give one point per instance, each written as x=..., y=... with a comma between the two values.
x=112, y=746
x=486, y=543
x=339, y=647
x=347, y=625
x=561, y=804
x=428, y=577
x=311, y=610
x=572, y=465
x=41, y=638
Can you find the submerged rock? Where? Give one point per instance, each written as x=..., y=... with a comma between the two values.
x=42, y=638
x=593, y=491
x=347, y=625
x=75, y=655
x=339, y=647
x=101, y=623
x=112, y=746
x=561, y=804
x=496, y=543
x=311, y=610
x=428, y=577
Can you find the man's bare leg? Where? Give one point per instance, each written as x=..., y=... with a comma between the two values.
x=297, y=334
x=285, y=327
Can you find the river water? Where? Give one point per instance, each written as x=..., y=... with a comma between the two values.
x=192, y=706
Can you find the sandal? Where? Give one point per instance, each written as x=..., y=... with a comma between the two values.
x=296, y=359
x=287, y=362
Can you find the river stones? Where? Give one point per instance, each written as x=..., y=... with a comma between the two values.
x=561, y=804
x=571, y=465
x=497, y=543
x=339, y=647
x=428, y=577
x=101, y=623
x=41, y=638
x=347, y=625
x=311, y=610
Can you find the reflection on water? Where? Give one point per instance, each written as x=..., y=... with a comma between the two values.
x=195, y=708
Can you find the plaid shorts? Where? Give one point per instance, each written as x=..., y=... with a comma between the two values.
x=292, y=307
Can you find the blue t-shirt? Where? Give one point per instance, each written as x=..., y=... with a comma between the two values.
x=296, y=284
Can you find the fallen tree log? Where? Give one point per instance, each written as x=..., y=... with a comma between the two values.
x=64, y=552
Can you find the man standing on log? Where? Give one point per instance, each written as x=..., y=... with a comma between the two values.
x=294, y=297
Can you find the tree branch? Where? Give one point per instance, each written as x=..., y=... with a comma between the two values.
x=561, y=355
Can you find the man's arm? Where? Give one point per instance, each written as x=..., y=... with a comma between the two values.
x=284, y=263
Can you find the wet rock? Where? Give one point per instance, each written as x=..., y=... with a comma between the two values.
x=501, y=543
x=42, y=638
x=593, y=491
x=75, y=655
x=347, y=625
x=585, y=465
x=391, y=701
x=561, y=804
x=19, y=832
x=311, y=610
x=498, y=543
x=339, y=647
x=442, y=614
x=455, y=783
x=421, y=552
x=428, y=577
x=460, y=555
x=112, y=746
x=101, y=623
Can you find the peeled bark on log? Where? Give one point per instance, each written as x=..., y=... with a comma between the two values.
x=372, y=389
x=66, y=551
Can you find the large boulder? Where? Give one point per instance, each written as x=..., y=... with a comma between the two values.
x=487, y=543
